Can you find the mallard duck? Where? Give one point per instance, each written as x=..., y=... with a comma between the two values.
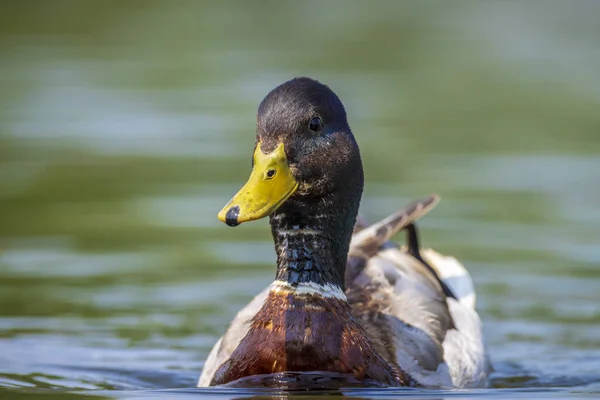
x=345, y=299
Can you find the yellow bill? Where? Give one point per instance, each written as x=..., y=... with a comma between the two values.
x=270, y=184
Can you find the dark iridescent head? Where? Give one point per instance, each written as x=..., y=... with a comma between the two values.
x=305, y=151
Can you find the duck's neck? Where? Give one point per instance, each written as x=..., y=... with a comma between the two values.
x=311, y=242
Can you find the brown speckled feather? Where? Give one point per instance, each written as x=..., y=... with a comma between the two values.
x=367, y=241
x=386, y=307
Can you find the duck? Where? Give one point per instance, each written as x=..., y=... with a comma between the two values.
x=346, y=300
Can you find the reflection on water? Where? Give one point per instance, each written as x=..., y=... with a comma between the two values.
x=124, y=127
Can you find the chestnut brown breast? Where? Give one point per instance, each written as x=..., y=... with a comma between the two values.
x=307, y=333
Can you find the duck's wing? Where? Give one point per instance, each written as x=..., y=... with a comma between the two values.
x=238, y=328
x=409, y=302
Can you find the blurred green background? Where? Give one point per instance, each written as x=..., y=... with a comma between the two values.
x=126, y=125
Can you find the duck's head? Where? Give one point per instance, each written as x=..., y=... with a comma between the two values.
x=305, y=155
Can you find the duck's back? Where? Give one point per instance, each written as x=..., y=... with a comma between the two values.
x=416, y=305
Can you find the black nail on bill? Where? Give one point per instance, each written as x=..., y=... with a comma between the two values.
x=231, y=218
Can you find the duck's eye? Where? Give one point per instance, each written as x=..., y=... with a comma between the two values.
x=270, y=173
x=315, y=124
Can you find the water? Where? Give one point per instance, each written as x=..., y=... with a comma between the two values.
x=125, y=126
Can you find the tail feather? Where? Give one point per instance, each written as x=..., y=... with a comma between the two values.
x=368, y=240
